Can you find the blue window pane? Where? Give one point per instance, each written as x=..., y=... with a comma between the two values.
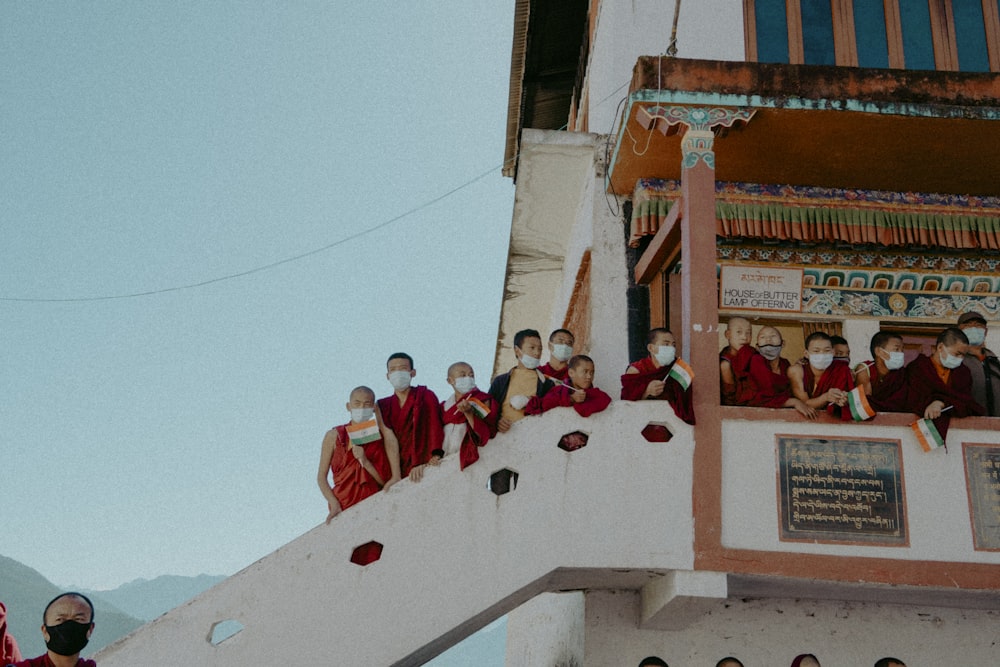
x=970, y=33
x=918, y=46
x=817, y=32
x=772, y=31
x=869, y=33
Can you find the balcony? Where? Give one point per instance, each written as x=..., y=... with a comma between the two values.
x=681, y=524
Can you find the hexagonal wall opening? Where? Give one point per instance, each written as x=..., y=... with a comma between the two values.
x=366, y=553
x=657, y=432
x=502, y=481
x=574, y=441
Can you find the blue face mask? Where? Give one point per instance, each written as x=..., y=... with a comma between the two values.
x=666, y=354
x=465, y=384
x=562, y=352
x=949, y=361
x=976, y=335
x=359, y=415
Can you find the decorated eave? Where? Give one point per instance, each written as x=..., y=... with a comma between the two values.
x=800, y=125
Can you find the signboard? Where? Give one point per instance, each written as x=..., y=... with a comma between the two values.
x=841, y=490
x=982, y=476
x=751, y=287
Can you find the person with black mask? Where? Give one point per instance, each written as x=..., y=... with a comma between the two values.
x=67, y=622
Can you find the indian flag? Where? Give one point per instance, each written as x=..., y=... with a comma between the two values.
x=927, y=434
x=481, y=408
x=861, y=409
x=363, y=432
x=682, y=373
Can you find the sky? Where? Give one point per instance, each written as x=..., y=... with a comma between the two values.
x=167, y=376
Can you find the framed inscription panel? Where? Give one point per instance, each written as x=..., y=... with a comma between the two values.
x=982, y=479
x=847, y=490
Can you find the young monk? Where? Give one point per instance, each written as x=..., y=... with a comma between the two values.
x=841, y=349
x=883, y=378
x=649, y=378
x=362, y=470
x=817, y=381
x=734, y=362
x=578, y=393
x=941, y=382
x=770, y=386
x=560, y=351
x=512, y=390
x=466, y=428
x=413, y=414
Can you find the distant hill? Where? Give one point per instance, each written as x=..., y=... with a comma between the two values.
x=148, y=598
x=117, y=613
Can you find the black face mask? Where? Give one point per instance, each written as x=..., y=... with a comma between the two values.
x=67, y=638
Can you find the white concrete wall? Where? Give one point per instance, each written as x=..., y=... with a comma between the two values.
x=456, y=556
x=627, y=29
x=936, y=500
x=547, y=630
x=770, y=633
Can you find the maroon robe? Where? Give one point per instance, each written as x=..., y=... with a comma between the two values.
x=888, y=392
x=559, y=397
x=8, y=645
x=634, y=385
x=769, y=389
x=925, y=387
x=351, y=482
x=417, y=425
x=43, y=661
x=837, y=376
x=558, y=376
x=478, y=432
x=742, y=392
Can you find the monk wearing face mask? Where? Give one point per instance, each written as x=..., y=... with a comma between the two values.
x=939, y=386
x=817, y=381
x=67, y=623
x=883, y=378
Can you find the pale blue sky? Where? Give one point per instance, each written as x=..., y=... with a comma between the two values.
x=151, y=145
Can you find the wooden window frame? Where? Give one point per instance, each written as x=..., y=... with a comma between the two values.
x=944, y=41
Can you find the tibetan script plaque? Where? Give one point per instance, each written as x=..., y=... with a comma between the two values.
x=982, y=475
x=841, y=490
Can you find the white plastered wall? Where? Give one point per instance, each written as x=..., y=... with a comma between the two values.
x=937, y=504
x=771, y=633
x=707, y=29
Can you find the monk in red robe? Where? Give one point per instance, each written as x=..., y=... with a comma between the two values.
x=560, y=352
x=68, y=623
x=883, y=378
x=466, y=427
x=939, y=386
x=768, y=376
x=9, y=652
x=649, y=378
x=359, y=470
x=413, y=413
x=819, y=382
x=734, y=362
x=578, y=392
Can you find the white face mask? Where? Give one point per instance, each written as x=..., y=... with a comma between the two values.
x=359, y=415
x=976, y=335
x=895, y=360
x=949, y=361
x=400, y=380
x=530, y=362
x=821, y=361
x=770, y=352
x=562, y=352
x=666, y=354
x=465, y=384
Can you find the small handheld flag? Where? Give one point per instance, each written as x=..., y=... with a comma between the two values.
x=363, y=432
x=682, y=373
x=861, y=409
x=481, y=408
x=927, y=434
